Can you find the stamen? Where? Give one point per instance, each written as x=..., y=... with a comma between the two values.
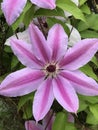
x=46, y=77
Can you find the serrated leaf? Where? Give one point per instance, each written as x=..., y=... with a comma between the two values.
x=71, y=7
x=59, y=123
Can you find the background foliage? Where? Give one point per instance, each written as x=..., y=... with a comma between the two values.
x=14, y=111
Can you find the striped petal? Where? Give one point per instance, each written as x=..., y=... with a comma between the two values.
x=43, y=100
x=21, y=82
x=12, y=9
x=48, y=4
x=40, y=46
x=25, y=54
x=31, y=125
x=65, y=94
x=57, y=39
x=82, y=83
x=80, y=54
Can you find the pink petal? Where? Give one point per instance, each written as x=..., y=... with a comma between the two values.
x=65, y=94
x=24, y=52
x=40, y=46
x=31, y=125
x=21, y=82
x=48, y=120
x=71, y=118
x=82, y=83
x=48, y=4
x=57, y=39
x=80, y=54
x=12, y=9
x=43, y=100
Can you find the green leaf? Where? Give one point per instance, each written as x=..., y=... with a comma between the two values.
x=69, y=6
x=27, y=110
x=91, y=119
x=7, y=49
x=81, y=2
x=70, y=126
x=92, y=21
x=47, y=12
x=24, y=99
x=14, y=62
x=82, y=105
x=89, y=99
x=59, y=123
x=94, y=110
x=89, y=34
x=95, y=61
x=28, y=16
x=85, y=9
x=87, y=69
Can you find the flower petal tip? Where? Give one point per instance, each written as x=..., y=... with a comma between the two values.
x=49, y=4
x=12, y=9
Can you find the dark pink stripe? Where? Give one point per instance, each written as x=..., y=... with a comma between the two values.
x=78, y=81
x=46, y=94
x=56, y=44
x=40, y=45
x=25, y=79
x=28, y=54
x=63, y=92
x=75, y=55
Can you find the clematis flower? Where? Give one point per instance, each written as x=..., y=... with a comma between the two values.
x=31, y=125
x=13, y=8
x=47, y=123
x=52, y=70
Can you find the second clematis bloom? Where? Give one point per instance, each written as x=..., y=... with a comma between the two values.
x=47, y=123
x=13, y=8
x=52, y=70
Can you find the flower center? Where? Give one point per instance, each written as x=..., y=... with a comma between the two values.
x=51, y=68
